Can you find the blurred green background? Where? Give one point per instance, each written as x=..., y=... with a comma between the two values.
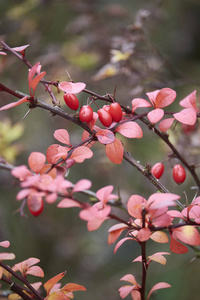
x=78, y=36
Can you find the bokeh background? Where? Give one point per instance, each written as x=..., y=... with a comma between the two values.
x=159, y=42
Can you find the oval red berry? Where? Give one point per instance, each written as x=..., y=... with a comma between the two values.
x=35, y=205
x=116, y=112
x=104, y=117
x=179, y=174
x=157, y=170
x=71, y=100
x=86, y=114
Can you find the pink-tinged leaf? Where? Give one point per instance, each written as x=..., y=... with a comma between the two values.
x=47, y=170
x=7, y=256
x=35, y=271
x=13, y=104
x=23, y=194
x=51, y=153
x=72, y=287
x=67, y=203
x=189, y=101
x=21, y=48
x=152, y=97
x=144, y=234
x=162, y=220
x=165, y=97
x=164, y=125
x=115, y=231
x=36, y=161
x=62, y=136
x=51, y=282
x=118, y=245
x=135, y=205
x=187, y=234
x=103, y=194
x=186, y=116
x=105, y=136
x=81, y=153
x=21, y=172
x=34, y=82
x=138, y=259
x=5, y=244
x=95, y=224
x=155, y=115
x=177, y=247
x=135, y=294
x=125, y=290
x=32, y=72
x=115, y=151
x=72, y=88
x=159, y=258
x=25, y=265
x=82, y=185
x=139, y=102
x=159, y=200
x=2, y=53
x=175, y=214
x=130, y=278
x=158, y=286
x=159, y=237
x=57, y=295
x=130, y=130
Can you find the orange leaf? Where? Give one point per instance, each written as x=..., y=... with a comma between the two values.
x=115, y=231
x=57, y=296
x=159, y=237
x=81, y=153
x=187, y=234
x=72, y=287
x=62, y=136
x=177, y=247
x=115, y=151
x=35, y=81
x=51, y=282
x=36, y=161
x=144, y=234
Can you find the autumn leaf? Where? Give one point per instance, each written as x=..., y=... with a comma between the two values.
x=160, y=285
x=115, y=231
x=71, y=87
x=13, y=104
x=105, y=136
x=51, y=282
x=130, y=130
x=62, y=136
x=155, y=115
x=81, y=153
x=186, y=116
x=115, y=151
x=36, y=161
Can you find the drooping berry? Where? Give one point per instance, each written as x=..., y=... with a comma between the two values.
x=71, y=100
x=86, y=114
x=179, y=174
x=104, y=117
x=116, y=112
x=157, y=170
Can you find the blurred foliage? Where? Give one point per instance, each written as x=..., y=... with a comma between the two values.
x=135, y=46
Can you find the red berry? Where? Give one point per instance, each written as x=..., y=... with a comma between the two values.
x=86, y=114
x=179, y=174
x=35, y=205
x=116, y=112
x=71, y=100
x=104, y=117
x=157, y=170
x=107, y=108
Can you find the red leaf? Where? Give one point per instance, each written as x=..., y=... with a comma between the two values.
x=67, y=203
x=72, y=88
x=34, y=83
x=105, y=136
x=21, y=48
x=135, y=205
x=125, y=290
x=32, y=72
x=36, y=271
x=158, y=286
x=177, y=247
x=115, y=151
x=164, y=125
x=62, y=136
x=104, y=194
x=130, y=130
x=52, y=152
x=139, y=102
x=165, y=97
x=36, y=161
x=81, y=153
x=13, y=104
x=155, y=115
x=186, y=116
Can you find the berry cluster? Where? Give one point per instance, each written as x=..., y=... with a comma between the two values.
x=107, y=114
x=178, y=173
